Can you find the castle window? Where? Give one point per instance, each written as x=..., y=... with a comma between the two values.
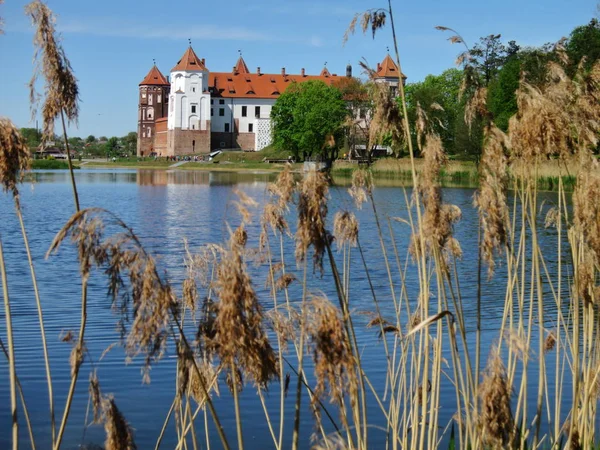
x=150, y=112
x=194, y=89
x=212, y=101
x=149, y=134
x=250, y=128
x=193, y=108
x=244, y=111
x=221, y=112
x=226, y=128
x=150, y=99
x=221, y=102
x=212, y=112
x=158, y=98
x=257, y=111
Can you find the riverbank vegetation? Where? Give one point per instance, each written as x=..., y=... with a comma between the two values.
x=513, y=395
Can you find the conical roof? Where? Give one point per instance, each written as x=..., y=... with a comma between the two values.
x=189, y=61
x=155, y=78
x=240, y=66
x=325, y=73
x=388, y=68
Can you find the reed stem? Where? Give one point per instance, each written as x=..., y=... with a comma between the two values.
x=11, y=353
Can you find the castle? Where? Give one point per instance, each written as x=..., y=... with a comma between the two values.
x=197, y=111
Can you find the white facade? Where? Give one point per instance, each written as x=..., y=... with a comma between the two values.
x=189, y=103
x=243, y=111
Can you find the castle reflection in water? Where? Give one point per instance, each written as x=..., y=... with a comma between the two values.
x=212, y=178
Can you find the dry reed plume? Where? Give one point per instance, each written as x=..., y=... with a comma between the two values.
x=491, y=198
x=15, y=158
x=362, y=186
x=496, y=419
x=60, y=89
x=312, y=210
x=335, y=365
x=239, y=339
x=149, y=301
x=345, y=229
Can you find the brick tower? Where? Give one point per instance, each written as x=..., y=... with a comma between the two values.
x=153, y=106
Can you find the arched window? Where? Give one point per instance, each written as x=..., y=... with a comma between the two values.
x=150, y=113
x=149, y=134
x=150, y=99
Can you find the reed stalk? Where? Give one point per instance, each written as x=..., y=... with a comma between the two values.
x=11, y=353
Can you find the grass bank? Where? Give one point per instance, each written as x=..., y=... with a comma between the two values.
x=462, y=173
x=51, y=164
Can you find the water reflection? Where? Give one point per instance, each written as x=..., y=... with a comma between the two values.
x=163, y=208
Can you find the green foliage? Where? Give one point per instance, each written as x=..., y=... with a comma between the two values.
x=50, y=164
x=442, y=90
x=130, y=143
x=32, y=136
x=584, y=41
x=90, y=139
x=489, y=55
x=308, y=119
x=502, y=101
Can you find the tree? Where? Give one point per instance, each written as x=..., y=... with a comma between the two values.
x=432, y=93
x=308, y=120
x=502, y=100
x=584, y=41
x=359, y=101
x=90, y=139
x=130, y=142
x=488, y=56
x=111, y=146
x=32, y=136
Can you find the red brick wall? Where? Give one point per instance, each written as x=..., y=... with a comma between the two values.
x=246, y=141
x=188, y=142
x=160, y=138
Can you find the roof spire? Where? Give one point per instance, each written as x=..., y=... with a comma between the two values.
x=190, y=41
x=153, y=61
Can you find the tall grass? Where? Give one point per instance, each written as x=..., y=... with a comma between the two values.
x=504, y=396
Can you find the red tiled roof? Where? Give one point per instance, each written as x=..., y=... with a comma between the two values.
x=189, y=61
x=240, y=66
x=254, y=85
x=387, y=68
x=155, y=78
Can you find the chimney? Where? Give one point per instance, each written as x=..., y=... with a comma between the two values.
x=378, y=67
x=283, y=71
x=303, y=72
x=349, y=71
x=202, y=61
x=258, y=70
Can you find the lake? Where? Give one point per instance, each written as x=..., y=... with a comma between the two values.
x=164, y=208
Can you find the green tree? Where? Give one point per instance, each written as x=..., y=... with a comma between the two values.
x=111, y=146
x=502, y=100
x=32, y=136
x=584, y=41
x=90, y=139
x=488, y=56
x=308, y=120
x=130, y=143
x=438, y=96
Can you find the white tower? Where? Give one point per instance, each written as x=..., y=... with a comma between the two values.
x=189, y=103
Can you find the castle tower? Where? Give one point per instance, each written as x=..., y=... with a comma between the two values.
x=152, y=105
x=189, y=107
x=388, y=72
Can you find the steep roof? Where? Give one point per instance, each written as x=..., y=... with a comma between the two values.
x=189, y=61
x=240, y=66
x=325, y=73
x=154, y=78
x=258, y=85
x=387, y=68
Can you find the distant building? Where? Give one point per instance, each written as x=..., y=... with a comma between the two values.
x=196, y=111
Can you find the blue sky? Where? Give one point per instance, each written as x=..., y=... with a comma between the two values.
x=111, y=44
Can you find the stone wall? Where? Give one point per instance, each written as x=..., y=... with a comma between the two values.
x=188, y=142
x=144, y=146
x=160, y=137
x=246, y=141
